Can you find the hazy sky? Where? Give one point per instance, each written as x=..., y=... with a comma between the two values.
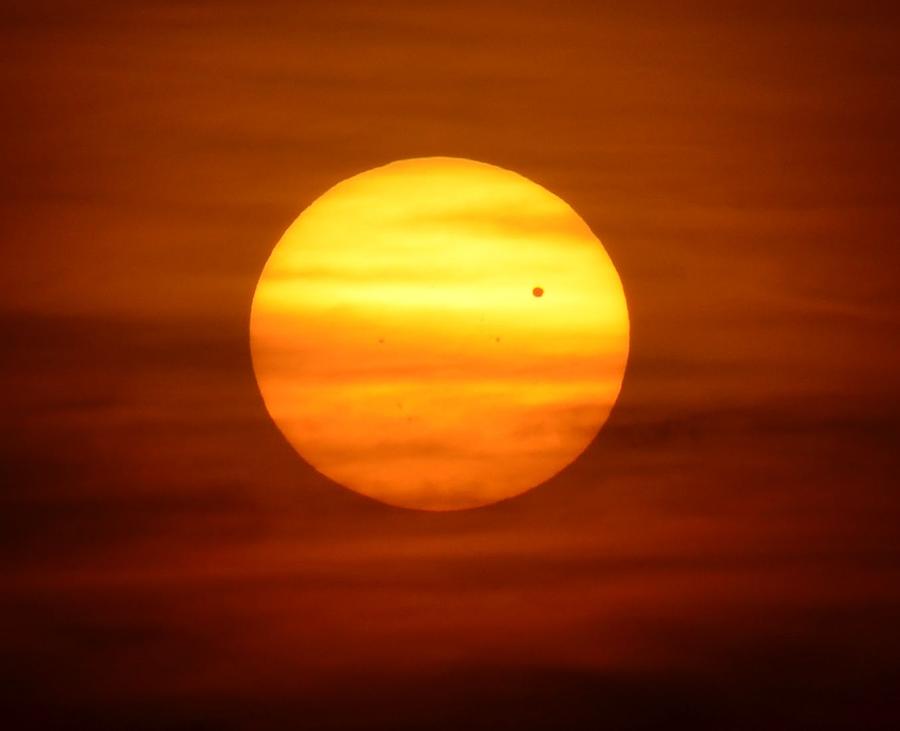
x=725, y=555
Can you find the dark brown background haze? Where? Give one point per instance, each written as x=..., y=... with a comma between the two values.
x=724, y=556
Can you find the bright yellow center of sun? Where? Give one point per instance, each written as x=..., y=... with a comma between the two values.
x=439, y=334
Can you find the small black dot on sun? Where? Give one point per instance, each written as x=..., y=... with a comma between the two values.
x=538, y=291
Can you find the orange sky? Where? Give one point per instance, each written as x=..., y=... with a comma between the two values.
x=724, y=555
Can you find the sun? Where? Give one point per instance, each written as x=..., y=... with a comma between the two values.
x=439, y=334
